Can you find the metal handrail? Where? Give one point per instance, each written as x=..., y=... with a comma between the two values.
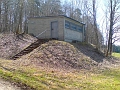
x=41, y=33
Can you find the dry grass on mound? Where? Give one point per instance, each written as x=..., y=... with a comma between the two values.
x=11, y=44
x=57, y=54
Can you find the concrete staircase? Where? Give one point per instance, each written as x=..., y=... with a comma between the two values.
x=29, y=48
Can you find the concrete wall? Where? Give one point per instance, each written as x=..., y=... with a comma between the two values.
x=39, y=25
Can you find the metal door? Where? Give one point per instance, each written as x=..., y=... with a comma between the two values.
x=54, y=30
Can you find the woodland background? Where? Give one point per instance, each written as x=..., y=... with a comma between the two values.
x=14, y=16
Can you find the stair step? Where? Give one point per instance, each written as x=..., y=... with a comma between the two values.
x=33, y=46
x=26, y=51
x=36, y=43
x=29, y=48
x=18, y=56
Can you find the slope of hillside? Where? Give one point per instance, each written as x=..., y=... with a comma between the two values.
x=10, y=44
x=102, y=61
x=58, y=54
x=54, y=54
x=58, y=65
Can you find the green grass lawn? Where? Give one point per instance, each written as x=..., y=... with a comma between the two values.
x=41, y=79
x=116, y=55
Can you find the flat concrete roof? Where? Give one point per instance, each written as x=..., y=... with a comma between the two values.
x=57, y=16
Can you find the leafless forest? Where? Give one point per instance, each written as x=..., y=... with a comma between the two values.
x=14, y=15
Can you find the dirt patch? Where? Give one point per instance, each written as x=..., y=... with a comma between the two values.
x=11, y=44
x=4, y=85
x=92, y=53
x=109, y=62
x=57, y=54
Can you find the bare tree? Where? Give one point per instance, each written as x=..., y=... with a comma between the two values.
x=51, y=8
x=114, y=7
x=95, y=25
x=93, y=34
x=73, y=10
x=14, y=14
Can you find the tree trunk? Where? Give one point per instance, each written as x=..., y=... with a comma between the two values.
x=109, y=50
x=95, y=25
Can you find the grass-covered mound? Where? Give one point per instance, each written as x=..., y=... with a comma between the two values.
x=57, y=54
